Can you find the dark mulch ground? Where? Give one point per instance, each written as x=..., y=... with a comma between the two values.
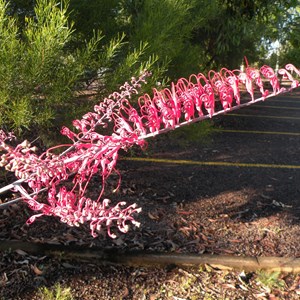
x=187, y=208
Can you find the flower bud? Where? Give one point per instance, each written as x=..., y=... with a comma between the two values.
x=25, y=144
x=34, y=149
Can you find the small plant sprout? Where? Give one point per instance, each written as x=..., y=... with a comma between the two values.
x=270, y=280
x=55, y=293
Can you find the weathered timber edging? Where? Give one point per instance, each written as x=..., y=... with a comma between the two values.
x=148, y=259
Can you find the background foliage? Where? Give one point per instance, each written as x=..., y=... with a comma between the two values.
x=51, y=51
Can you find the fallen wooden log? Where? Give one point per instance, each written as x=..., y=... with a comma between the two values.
x=148, y=259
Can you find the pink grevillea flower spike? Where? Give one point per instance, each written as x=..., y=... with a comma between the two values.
x=67, y=177
x=207, y=96
x=289, y=68
x=269, y=74
x=233, y=81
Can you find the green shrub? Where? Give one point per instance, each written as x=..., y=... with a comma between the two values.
x=37, y=72
x=41, y=70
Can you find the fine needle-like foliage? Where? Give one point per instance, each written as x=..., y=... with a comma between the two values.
x=42, y=72
x=37, y=73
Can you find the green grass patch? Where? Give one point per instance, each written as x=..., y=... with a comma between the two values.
x=199, y=133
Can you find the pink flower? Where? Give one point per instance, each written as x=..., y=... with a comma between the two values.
x=92, y=154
